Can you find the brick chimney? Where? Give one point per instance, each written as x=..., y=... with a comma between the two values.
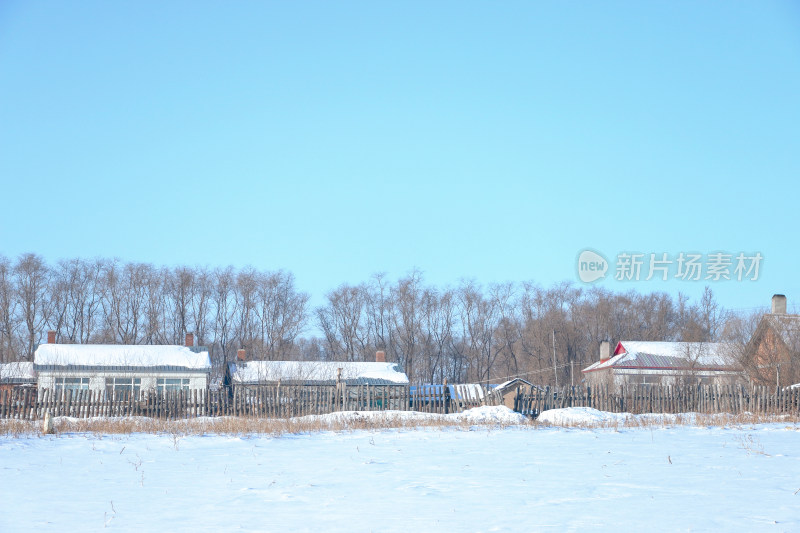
x=605, y=351
x=380, y=356
x=240, y=354
x=778, y=304
x=190, y=339
x=51, y=337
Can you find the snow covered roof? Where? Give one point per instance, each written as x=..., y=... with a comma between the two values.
x=19, y=372
x=121, y=356
x=310, y=372
x=667, y=356
x=515, y=381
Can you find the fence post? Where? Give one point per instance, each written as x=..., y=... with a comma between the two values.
x=446, y=397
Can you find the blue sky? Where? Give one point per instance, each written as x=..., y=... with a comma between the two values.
x=492, y=141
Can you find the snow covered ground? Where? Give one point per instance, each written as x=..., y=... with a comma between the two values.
x=518, y=478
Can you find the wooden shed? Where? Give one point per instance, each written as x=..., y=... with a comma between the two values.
x=507, y=391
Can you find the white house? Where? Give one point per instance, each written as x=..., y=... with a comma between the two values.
x=115, y=368
x=667, y=363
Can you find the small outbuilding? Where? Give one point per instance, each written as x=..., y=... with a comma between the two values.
x=508, y=391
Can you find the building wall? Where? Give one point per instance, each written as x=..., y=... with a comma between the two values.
x=599, y=378
x=511, y=393
x=769, y=352
x=97, y=380
x=614, y=377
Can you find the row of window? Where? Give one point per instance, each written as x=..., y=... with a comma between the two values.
x=122, y=384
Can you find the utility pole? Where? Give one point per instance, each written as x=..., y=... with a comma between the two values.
x=571, y=375
x=554, y=358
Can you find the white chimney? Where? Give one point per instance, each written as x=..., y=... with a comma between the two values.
x=605, y=351
x=779, y=304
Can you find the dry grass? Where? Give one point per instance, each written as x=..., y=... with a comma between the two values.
x=234, y=425
x=360, y=421
x=650, y=421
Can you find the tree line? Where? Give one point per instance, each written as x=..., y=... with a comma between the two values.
x=466, y=333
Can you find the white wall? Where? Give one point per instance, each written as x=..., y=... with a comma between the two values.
x=97, y=380
x=617, y=377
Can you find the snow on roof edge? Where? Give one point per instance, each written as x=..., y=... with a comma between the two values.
x=20, y=370
x=140, y=355
x=270, y=371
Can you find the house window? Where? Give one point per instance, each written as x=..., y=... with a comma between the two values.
x=63, y=384
x=115, y=385
x=172, y=384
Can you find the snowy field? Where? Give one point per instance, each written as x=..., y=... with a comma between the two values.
x=522, y=478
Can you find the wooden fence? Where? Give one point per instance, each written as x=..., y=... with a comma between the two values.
x=289, y=401
x=639, y=399
x=280, y=401
x=444, y=399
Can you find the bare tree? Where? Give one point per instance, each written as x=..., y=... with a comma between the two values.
x=178, y=294
x=223, y=303
x=407, y=321
x=478, y=318
x=378, y=308
x=75, y=300
x=202, y=290
x=438, y=320
x=8, y=313
x=155, y=304
x=281, y=312
x=712, y=316
x=343, y=323
x=245, y=296
x=507, y=332
x=125, y=293
x=533, y=343
x=31, y=283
